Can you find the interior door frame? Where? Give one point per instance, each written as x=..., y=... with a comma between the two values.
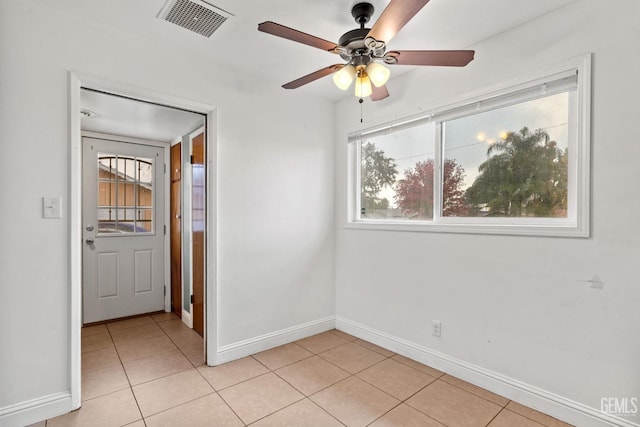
x=77, y=81
x=188, y=207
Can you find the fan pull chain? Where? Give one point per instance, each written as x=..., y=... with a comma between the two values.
x=361, y=101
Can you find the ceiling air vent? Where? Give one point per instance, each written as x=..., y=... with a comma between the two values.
x=194, y=15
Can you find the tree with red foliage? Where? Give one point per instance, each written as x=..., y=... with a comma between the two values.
x=454, y=202
x=414, y=193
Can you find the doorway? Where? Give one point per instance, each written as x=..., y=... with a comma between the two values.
x=78, y=83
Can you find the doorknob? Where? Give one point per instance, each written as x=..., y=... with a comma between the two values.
x=89, y=241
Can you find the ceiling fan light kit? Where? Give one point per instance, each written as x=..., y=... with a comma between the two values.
x=345, y=76
x=364, y=49
x=378, y=73
x=363, y=87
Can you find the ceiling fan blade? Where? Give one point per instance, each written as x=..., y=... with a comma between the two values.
x=378, y=93
x=394, y=17
x=449, y=58
x=296, y=36
x=313, y=76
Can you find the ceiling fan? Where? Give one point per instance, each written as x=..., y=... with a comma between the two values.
x=363, y=49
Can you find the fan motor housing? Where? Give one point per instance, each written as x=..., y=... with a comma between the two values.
x=354, y=39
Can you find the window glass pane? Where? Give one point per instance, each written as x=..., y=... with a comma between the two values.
x=198, y=198
x=106, y=193
x=107, y=220
x=145, y=195
x=144, y=170
x=143, y=220
x=127, y=169
x=107, y=165
x=125, y=194
x=126, y=227
x=396, y=175
x=126, y=220
x=508, y=162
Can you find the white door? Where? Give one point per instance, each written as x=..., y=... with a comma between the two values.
x=123, y=229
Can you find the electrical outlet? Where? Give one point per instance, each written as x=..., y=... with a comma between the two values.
x=436, y=328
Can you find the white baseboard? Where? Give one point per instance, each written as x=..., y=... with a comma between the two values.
x=268, y=341
x=186, y=318
x=557, y=406
x=35, y=410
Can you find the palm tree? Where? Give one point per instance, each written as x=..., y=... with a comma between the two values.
x=525, y=175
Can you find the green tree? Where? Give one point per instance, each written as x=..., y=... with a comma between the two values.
x=414, y=193
x=525, y=175
x=377, y=171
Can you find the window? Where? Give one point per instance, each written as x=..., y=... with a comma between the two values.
x=125, y=194
x=514, y=161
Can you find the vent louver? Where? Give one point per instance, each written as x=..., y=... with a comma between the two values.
x=194, y=15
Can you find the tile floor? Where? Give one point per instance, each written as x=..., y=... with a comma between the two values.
x=149, y=371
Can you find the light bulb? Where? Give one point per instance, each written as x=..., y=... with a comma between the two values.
x=344, y=76
x=378, y=73
x=363, y=87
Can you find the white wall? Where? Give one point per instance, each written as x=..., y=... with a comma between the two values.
x=518, y=306
x=275, y=188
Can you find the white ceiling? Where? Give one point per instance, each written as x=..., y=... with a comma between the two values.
x=136, y=119
x=441, y=24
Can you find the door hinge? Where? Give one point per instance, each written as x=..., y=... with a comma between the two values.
x=191, y=299
x=165, y=168
x=165, y=291
x=191, y=159
x=165, y=229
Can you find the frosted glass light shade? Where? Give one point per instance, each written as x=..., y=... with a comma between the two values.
x=363, y=87
x=344, y=77
x=378, y=73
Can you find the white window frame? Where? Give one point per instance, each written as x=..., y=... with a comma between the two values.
x=577, y=222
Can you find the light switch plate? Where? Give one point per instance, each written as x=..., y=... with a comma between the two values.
x=51, y=207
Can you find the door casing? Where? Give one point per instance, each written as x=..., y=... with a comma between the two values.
x=175, y=227
x=74, y=206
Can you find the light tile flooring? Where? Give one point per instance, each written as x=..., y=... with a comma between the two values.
x=150, y=371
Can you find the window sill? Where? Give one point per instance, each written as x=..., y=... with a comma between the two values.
x=541, y=228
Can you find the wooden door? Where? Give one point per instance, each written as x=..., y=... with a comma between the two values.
x=198, y=216
x=176, y=229
x=123, y=220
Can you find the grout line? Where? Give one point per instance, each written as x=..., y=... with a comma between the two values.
x=304, y=396
x=375, y=351
x=283, y=366
x=330, y=414
x=442, y=374
x=181, y=404
x=278, y=410
x=382, y=415
x=164, y=376
x=216, y=391
x=229, y=406
x=494, y=417
x=318, y=354
x=241, y=382
x=352, y=373
x=531, y=419
x=474, y=394
x=127, y=376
